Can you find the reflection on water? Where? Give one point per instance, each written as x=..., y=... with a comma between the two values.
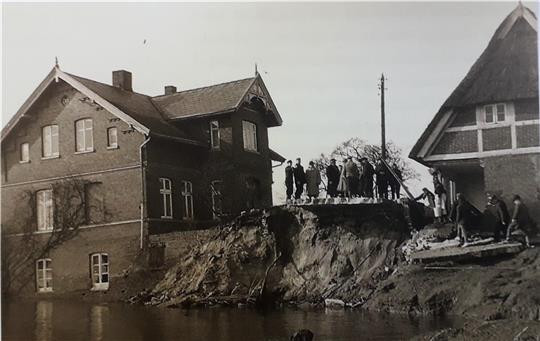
x=44, y=314
x=98, y=314
x=64, y=320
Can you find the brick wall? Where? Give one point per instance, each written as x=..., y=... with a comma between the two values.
x=457, y=142
x=177, y=243
x=71, y=261
x=528, y=136
x=515, y=174
x=497, y=138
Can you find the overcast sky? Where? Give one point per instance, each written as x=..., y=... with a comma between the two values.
x=321, y=62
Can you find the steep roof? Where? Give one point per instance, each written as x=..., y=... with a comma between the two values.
x=506, y=70
x=152, y=115
x=138, y=106
x=206, y=100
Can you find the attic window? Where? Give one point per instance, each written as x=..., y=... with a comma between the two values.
x=214, y=135
x=495, y=113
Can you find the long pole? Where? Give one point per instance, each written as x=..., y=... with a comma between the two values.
x=383, y=124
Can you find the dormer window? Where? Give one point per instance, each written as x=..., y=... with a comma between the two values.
x=495, y=113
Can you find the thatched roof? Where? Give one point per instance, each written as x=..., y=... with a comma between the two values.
x=507, y=70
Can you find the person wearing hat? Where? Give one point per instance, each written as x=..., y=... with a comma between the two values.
x=313, y=180
x=521, y=221
x=289, y=179
x=352, y=174
x=332, y=174
x=366, y=180
x=299, y=178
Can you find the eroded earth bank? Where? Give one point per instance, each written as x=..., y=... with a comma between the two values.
x=351, y=257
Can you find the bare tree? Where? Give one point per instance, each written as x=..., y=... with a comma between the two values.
x=357, y=148
x=19, y=252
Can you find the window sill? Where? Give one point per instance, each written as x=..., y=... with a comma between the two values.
x=44, y=291
x=167, y=218
x=253, y=151
x=112, y=147
x=21, y=162
x=215, y=149
x=85, y=152
x=100, y=287
x=44, y=231
x=50, y=157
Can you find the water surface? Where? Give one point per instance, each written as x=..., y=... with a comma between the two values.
x=73, y=321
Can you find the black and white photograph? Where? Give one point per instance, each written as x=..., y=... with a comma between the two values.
x=270, y=170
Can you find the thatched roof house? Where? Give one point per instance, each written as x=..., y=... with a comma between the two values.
x=485, y=137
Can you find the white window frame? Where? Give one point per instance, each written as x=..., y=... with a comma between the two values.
x=216, y=194
x=45, y=210
x=215, y=141
x=44, y=276
x=98, y=270
x=166, y=193
x=187, y=195
x=249, y=133
x=24, y=152
x=112, y=138
x=495, y=113
x=49, y=141
x=84, y=135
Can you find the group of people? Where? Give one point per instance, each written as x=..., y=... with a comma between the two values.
x=463, y=213
x=346, y=180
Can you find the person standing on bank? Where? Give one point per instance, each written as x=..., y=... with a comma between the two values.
x=313, y=180
x=501, y=216
x=289, y=179
x=440, y=202
x=395, y=186
x=366, y=180
x=342, y=185
x=521, y=221
x=463, y=218
x=351, y=173
x=381, y=174
x=299, y=178
x=332, y=174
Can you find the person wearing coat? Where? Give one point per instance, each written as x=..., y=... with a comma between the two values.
x=395, y=186
x=299, y=179
x=342, y=185
x=333, y=175
x=440, y=202
x=352, y=174
x=366, y=180
x=289, y=179
x=502, y=218
x=382, y=180
x=521, y=221
x=313, y=179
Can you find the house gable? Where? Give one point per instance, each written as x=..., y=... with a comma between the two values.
x=506, y=73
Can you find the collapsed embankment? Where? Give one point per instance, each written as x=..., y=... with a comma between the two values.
x=289, y=254
x=350, y=253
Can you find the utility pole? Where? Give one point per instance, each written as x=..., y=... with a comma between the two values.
x=383, y=124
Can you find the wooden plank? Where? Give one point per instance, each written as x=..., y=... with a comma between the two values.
x=464, y=253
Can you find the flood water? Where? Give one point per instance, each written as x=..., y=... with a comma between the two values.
x=68, y=320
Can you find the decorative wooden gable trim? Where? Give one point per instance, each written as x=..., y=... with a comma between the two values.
x=54, y=75
x=258, y=89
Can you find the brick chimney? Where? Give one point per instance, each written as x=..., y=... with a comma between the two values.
x=122, y=79
x=170, y=89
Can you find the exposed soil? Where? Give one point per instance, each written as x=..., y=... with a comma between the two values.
x=353, y=257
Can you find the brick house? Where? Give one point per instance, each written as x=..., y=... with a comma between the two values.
x=141, y=165
x=485, y=137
